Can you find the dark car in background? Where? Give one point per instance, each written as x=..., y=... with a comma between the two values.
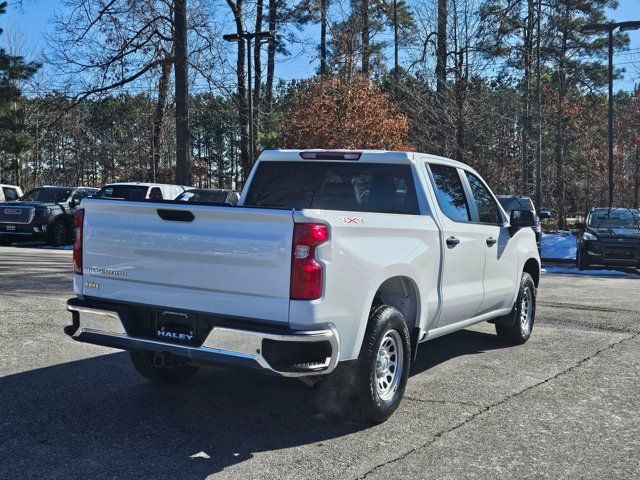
x=42, y=213
x=521, y=202
x=610, y=236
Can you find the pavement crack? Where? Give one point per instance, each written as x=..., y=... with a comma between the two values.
x=441, y=402
x=501, y=402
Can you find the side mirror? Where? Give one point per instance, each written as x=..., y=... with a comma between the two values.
x=522, y=219
x=75, y=201
x=544, y=214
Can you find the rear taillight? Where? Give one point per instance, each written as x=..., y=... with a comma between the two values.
x=78, y=220
x=306, y=272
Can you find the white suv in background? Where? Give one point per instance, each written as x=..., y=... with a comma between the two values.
x=141, y=191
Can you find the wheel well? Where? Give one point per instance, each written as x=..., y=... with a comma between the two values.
x=532, y=267
x=401, y=293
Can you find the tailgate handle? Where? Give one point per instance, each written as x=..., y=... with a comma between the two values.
x=175, y=215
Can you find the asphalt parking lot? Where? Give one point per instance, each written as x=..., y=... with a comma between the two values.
x=565, y=405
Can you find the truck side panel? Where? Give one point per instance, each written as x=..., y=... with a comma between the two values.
x=364, y=250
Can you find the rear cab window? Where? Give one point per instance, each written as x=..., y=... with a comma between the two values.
x=352, y=186
x=126, y=192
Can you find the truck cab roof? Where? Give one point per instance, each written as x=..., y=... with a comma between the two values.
x=369, y=156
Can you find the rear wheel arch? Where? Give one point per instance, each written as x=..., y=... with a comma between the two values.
x=402, y=293
x=532, y=267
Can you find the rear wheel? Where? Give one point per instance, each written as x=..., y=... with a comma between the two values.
x=371, y=388
x=156, y=368
x=519, y=326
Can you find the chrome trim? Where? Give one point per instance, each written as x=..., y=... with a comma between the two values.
x=228, y=342
x=31, y=214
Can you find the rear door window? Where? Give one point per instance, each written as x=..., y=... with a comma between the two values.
x=450, y=192
x=364, y=187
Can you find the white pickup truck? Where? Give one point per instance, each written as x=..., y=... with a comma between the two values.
x=333, y=267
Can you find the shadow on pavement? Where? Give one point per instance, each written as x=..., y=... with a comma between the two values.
x=96, y=418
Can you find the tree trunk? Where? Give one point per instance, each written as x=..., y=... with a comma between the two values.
x=396, y=67
x=636, y=183
x=365, y=37
x=271, y=62
x=526, y=96
x=460, y=96
x=323, y=37
x=243, y=105
x=538, y=108
x=183, y=161
x=257, y=68
x=158, y=116
x=559, y=138
x=441, y=74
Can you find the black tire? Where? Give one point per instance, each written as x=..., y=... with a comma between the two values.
x=512, y=328
x=356, y=390
x=143, y=362
x=581, y=262
x=59, y=234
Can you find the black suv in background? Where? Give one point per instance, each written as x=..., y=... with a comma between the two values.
x=43, y=213
x=520, y=202
x=610, y=236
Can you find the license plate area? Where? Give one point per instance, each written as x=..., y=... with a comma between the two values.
x=176, y=327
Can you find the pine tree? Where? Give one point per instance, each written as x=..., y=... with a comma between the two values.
x=13, y=70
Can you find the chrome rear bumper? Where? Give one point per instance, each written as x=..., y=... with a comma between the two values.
x=224, y=345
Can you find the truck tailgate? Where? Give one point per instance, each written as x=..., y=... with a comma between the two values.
x=227, y=260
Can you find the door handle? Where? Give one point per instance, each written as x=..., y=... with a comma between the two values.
x=491, y=242
x=453, y=241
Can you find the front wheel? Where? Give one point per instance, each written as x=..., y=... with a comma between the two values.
x=581, y=262
x=519, y=326
x=370, y=389
x=59, y=234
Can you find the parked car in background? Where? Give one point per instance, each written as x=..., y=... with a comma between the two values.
x=333, y=268
x=610, y=236
x=521, y=202
x=9, y=193
x=201, y=195
x=43, y=213
x=141, y=191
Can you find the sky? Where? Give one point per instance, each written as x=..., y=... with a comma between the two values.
x=32, y=21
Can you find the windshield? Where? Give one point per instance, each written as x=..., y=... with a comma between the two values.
x=51, y=195
x=203, y=196
x=362, y=187
x=127, y=192
x=614, y=218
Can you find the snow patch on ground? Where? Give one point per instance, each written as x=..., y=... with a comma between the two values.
x=574, y=271
x=559, y=245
